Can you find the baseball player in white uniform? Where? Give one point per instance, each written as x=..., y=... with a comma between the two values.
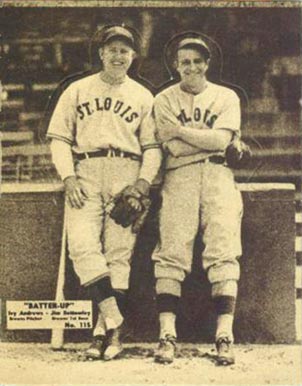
x=103, y=139
x=196, y=120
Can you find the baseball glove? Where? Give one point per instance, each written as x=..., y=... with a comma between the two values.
x=238, y=154
x=131, y=206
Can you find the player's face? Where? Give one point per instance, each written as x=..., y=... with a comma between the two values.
x=191, y=65
x=117, y=57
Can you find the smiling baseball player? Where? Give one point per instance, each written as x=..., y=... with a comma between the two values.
x=103, y=140
x=196, y=121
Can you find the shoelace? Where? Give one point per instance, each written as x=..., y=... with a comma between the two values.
x=224, y=340
x=98, y=341
x=168, y=338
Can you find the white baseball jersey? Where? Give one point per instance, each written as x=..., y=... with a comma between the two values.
x=217, y=107
x=92, y=114
x=200, y=194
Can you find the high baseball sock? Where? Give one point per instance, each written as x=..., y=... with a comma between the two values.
x=111, y=313
x=225, y=308
x=167, y=306
x=122, y=300
x=101, y=289
x=225, y=326
x=167, y=324
x=100, y=327
x=167, y=303
x=103, y=293
x=166, y=286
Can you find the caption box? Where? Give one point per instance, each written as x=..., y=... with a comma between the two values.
x=32, y=314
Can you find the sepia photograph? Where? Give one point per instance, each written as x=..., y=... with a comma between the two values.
x=150, y=192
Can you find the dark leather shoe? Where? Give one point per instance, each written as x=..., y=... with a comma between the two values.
x=113, y=344
x=166, y=350
x=95, y=350
x=225, y=354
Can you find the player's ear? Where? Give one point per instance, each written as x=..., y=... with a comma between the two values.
x=101, y=53
x=207, y=64
x=175, y=65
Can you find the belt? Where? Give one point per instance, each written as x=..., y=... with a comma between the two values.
x=215, y=159
x=107, y=153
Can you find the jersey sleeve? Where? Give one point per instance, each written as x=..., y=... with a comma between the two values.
x=230, y=117
x=63, y=120
x=163, y=117
x=163, y=113
x=147, y=133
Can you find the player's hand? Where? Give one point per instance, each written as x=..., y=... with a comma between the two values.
x=135, y=204
x=168, y=131
x=75, y=193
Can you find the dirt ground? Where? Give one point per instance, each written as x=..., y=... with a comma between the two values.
x=31, y=363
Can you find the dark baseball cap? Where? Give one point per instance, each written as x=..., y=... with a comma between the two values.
x=118, y=32
x=194, y=41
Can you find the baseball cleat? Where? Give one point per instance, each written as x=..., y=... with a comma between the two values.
x=113, y=344
x=95, y=350
x=225, y=354
x=166, y=350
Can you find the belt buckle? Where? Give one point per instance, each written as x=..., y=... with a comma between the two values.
x=110, y=152
x=86, y=155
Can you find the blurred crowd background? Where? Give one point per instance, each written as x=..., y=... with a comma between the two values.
x=261, y=47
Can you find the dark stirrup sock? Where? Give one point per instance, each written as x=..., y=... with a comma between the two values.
x=101, y=289
x=121, y=297
x=224, y=304
x=167, y=303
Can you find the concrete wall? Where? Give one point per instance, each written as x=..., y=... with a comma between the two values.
x=30, y=231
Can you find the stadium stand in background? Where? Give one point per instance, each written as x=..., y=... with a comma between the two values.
x=261, y=54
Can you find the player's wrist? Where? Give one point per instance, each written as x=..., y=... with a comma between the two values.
x=69, y=178
x=70, y=183
x=142, y=186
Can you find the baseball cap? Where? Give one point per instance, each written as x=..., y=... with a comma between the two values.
x=187, y=42
x=116, y=32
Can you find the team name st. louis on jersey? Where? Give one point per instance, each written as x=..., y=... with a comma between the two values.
x=92, y=114
x=217, y=107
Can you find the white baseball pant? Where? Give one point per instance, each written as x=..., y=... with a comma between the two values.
x=199, y=194
x=97, y=245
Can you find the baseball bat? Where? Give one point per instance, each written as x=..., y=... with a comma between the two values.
x=57, y=335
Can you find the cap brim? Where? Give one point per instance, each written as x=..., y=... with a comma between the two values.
x=124, y=38
x=194, y=42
